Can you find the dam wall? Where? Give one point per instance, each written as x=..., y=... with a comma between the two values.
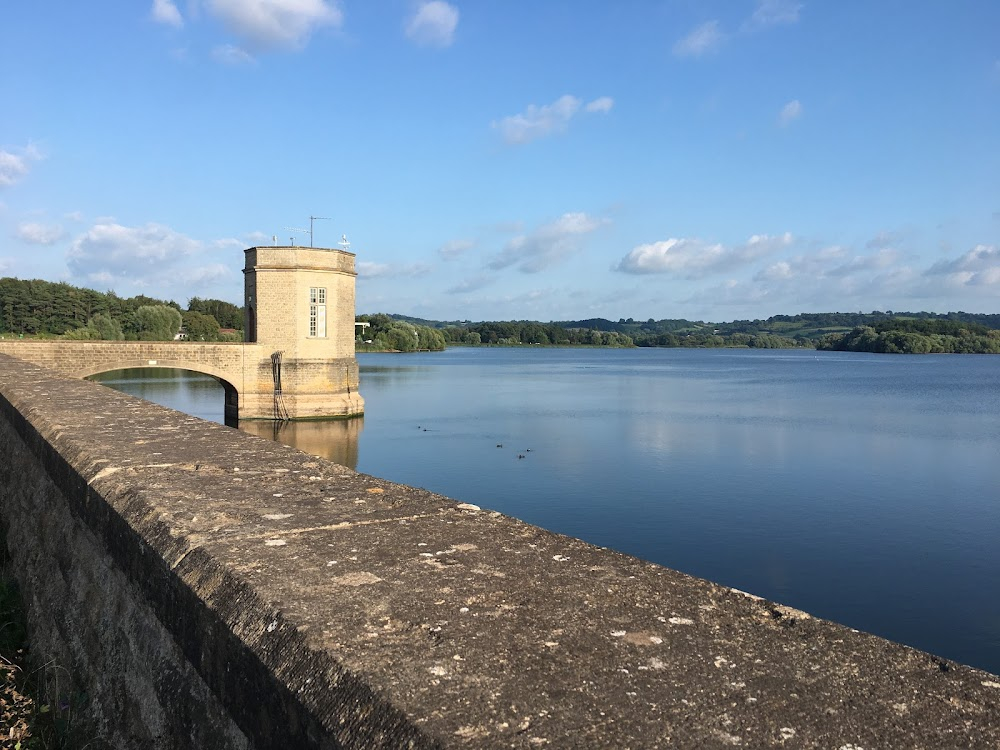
x=203, y=587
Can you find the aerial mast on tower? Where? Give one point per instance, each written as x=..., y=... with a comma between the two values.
x=311, y=220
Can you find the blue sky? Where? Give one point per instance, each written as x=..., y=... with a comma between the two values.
x=548, y=160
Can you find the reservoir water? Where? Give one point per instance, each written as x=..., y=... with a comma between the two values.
x=861, y=488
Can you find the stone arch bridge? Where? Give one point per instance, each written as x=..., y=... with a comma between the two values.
x=298, y=362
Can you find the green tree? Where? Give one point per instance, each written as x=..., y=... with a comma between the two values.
x=157, y=322
x=227, y=314
x=83, y=333
x=200, y=327
x=107, y=327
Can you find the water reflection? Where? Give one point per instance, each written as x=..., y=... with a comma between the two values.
x=203, y=396
x=190, y=392
x=336, y=440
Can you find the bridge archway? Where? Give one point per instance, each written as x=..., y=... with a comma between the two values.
x=231, y=393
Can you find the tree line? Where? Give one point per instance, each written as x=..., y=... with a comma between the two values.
x=801, y=326
x=713, y=339
x=521, y=332
x=908, y=336
x=387, y=334
x=47, y=309
x=600, y=332
x=892, y=332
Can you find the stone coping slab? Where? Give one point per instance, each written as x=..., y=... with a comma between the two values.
x=388, y=616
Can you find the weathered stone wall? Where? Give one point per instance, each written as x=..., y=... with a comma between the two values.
x=278, y=280
x=107, y=662
x=82, y=358
x=211, y=589
x=313, y=389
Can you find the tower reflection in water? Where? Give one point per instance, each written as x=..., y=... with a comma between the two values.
x=334, y=439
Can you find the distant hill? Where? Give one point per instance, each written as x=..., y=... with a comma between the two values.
x=429, y=323
x=804, y=325
x=808, y=325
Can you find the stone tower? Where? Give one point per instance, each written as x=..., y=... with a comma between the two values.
x=300, y=311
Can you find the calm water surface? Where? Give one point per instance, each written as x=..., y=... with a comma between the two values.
x=861, y=488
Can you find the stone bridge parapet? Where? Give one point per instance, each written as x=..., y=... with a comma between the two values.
x=207, y=588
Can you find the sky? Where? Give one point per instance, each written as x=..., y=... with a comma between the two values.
x=548, y=160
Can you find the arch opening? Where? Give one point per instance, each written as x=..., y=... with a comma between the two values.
x=185, y=389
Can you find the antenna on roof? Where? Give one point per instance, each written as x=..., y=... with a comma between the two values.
x=311, y=220
x=296, y=229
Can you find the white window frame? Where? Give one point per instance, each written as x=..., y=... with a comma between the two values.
x=317, y=312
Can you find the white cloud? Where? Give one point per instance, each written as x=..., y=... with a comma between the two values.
x=433, y=24
x=773, y=13
x=40, y=234
x=760, y=245
x=276, y=24
x=883, y=239
x=370, y=270
x=679, y=256
x=776, y=272
x=454, y=248
x=790, y=112
x=702, y=40
x=229, y=243
x=732, y=293
x=107, y=252
x=692, y=258
x=817, y=265
x=257, y=239
x=229, y=54
x=830, y=278
x=202, y=276
x=15, y=166
x=709, y=37
x=535, y=304
x=165, y=12
x=978, y=267
x=539, y=121
x=601, y=104
x=547, y=245
x=882, y=258
x=472, y=284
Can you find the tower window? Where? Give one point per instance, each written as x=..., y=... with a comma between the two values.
x=317, y=312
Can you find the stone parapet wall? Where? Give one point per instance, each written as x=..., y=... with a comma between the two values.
x=84, y=358
x=211, y=589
